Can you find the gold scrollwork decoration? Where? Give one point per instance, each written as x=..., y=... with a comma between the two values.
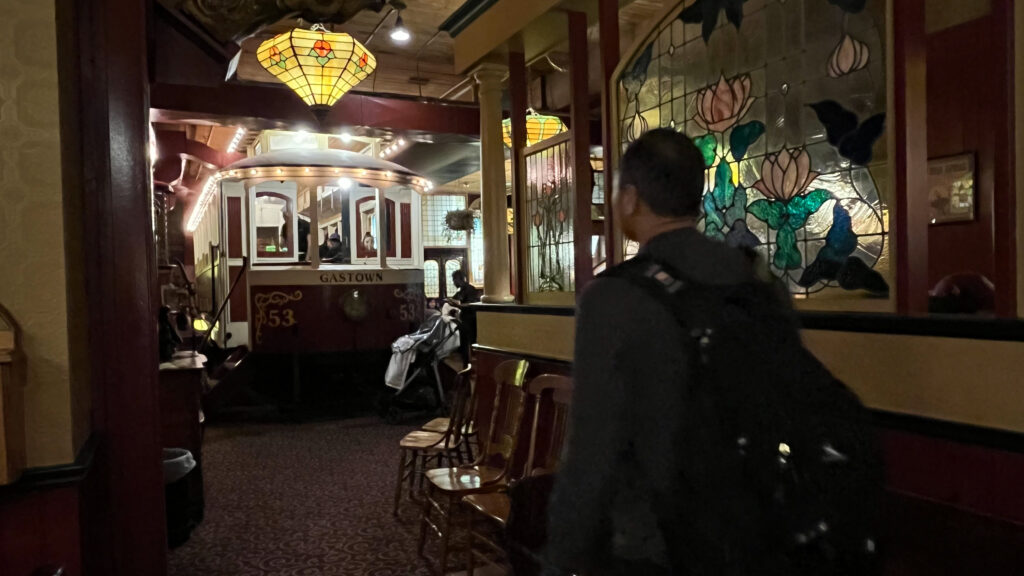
x=274, y=320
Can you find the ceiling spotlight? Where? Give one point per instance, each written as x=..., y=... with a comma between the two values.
x=346, y=137
x=344, y=183
x=400, y=33
x=401, y=142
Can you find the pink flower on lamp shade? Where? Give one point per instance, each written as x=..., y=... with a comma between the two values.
x=849, y=56
x=785, y=174
x=721, y=105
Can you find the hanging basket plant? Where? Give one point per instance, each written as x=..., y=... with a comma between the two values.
x=459, y=220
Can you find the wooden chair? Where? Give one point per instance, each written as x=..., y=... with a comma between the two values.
x=490, y=472
x=417, y=449
x=469, y=428
x=495, y=506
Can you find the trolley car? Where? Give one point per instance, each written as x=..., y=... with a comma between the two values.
x=310, y=251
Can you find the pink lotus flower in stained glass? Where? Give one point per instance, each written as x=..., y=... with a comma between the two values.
x=786, y=174
x=850, y=55
x=561, y=215
x=721, y=105
x=537, y=219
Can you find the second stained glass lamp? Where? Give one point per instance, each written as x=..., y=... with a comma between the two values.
x=318, y=65
x=538, y=128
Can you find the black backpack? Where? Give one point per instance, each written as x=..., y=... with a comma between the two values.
x=775, y=470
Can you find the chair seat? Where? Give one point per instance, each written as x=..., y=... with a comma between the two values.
x=494, y=505
x=423, y=440
x=440, y=425
x=467, y=480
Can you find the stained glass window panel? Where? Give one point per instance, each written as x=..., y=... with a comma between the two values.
x=788, y=105
x=431, y=279
x=450, y=266
x=549, y=208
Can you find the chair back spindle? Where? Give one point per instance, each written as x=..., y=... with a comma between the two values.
x=559, y=390
x=506, y=415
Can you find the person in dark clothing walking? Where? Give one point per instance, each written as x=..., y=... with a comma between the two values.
x=629, y=362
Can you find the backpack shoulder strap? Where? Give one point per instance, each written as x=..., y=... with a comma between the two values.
x=657, y=280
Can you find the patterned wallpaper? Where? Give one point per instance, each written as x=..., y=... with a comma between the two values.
x=32, y=275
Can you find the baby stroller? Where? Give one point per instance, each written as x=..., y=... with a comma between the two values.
x=413, y=371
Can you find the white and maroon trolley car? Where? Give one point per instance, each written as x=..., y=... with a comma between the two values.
x=314, y=250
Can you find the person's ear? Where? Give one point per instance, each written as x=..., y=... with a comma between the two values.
x=629, y=200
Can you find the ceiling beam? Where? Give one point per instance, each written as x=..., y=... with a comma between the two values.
x=261, y=107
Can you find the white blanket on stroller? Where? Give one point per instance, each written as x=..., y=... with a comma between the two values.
x=403, y=354
x=403, y=350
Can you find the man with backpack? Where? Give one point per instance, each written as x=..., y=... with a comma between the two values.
x=703, y=439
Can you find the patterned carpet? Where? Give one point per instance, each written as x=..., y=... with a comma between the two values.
x=302, y=500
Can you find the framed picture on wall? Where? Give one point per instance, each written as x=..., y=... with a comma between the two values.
x=951, y=189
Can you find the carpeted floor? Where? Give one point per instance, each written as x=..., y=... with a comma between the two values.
x=302, y=500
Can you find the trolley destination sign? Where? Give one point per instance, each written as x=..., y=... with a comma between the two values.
x=334, y=277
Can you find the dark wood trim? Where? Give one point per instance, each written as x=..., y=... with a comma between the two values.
x=911, y=126
x=465, y=15
x=995, y=438
x=582, y=173
x=1005, y=196
x=525, y=309
x=105, y=113
x=530, y=357
x=46, y=477
x=1004, y=440
x=270, y=106
x=518, y=87
x=608, y=32
x=996, y=329
x=934, y=326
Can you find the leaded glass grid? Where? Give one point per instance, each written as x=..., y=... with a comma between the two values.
x=788, y=109
x=431, y=279
x=450, y=266
x=549, y=208
x=476, y=252
x=435, y=232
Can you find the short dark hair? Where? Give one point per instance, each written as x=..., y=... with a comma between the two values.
x=458, y=274
x=667, y=170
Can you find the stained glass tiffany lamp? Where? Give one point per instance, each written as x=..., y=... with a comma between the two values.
x=318, y=65
x=538, y=128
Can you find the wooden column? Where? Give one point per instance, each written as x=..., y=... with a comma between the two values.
x=911, y=126
x=608, y=32
x=1004, y=226
x=492, y=175
x=104, y=100
x=517, y=86
x=579, y=116
x=382, y=227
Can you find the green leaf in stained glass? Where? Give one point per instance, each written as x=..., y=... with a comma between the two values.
x=714, y=232
x=707, y=144
x=787, y=257
x=771, y=212
x=712, y=217
x=743, y=136
x=738, y=210
x=724, y=189
x=800, y=208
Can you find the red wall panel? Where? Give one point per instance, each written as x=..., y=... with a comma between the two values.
x=965, y=79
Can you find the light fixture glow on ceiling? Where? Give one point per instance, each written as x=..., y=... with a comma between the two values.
x=346, y=137
x=239, y=134
x=400, y=33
